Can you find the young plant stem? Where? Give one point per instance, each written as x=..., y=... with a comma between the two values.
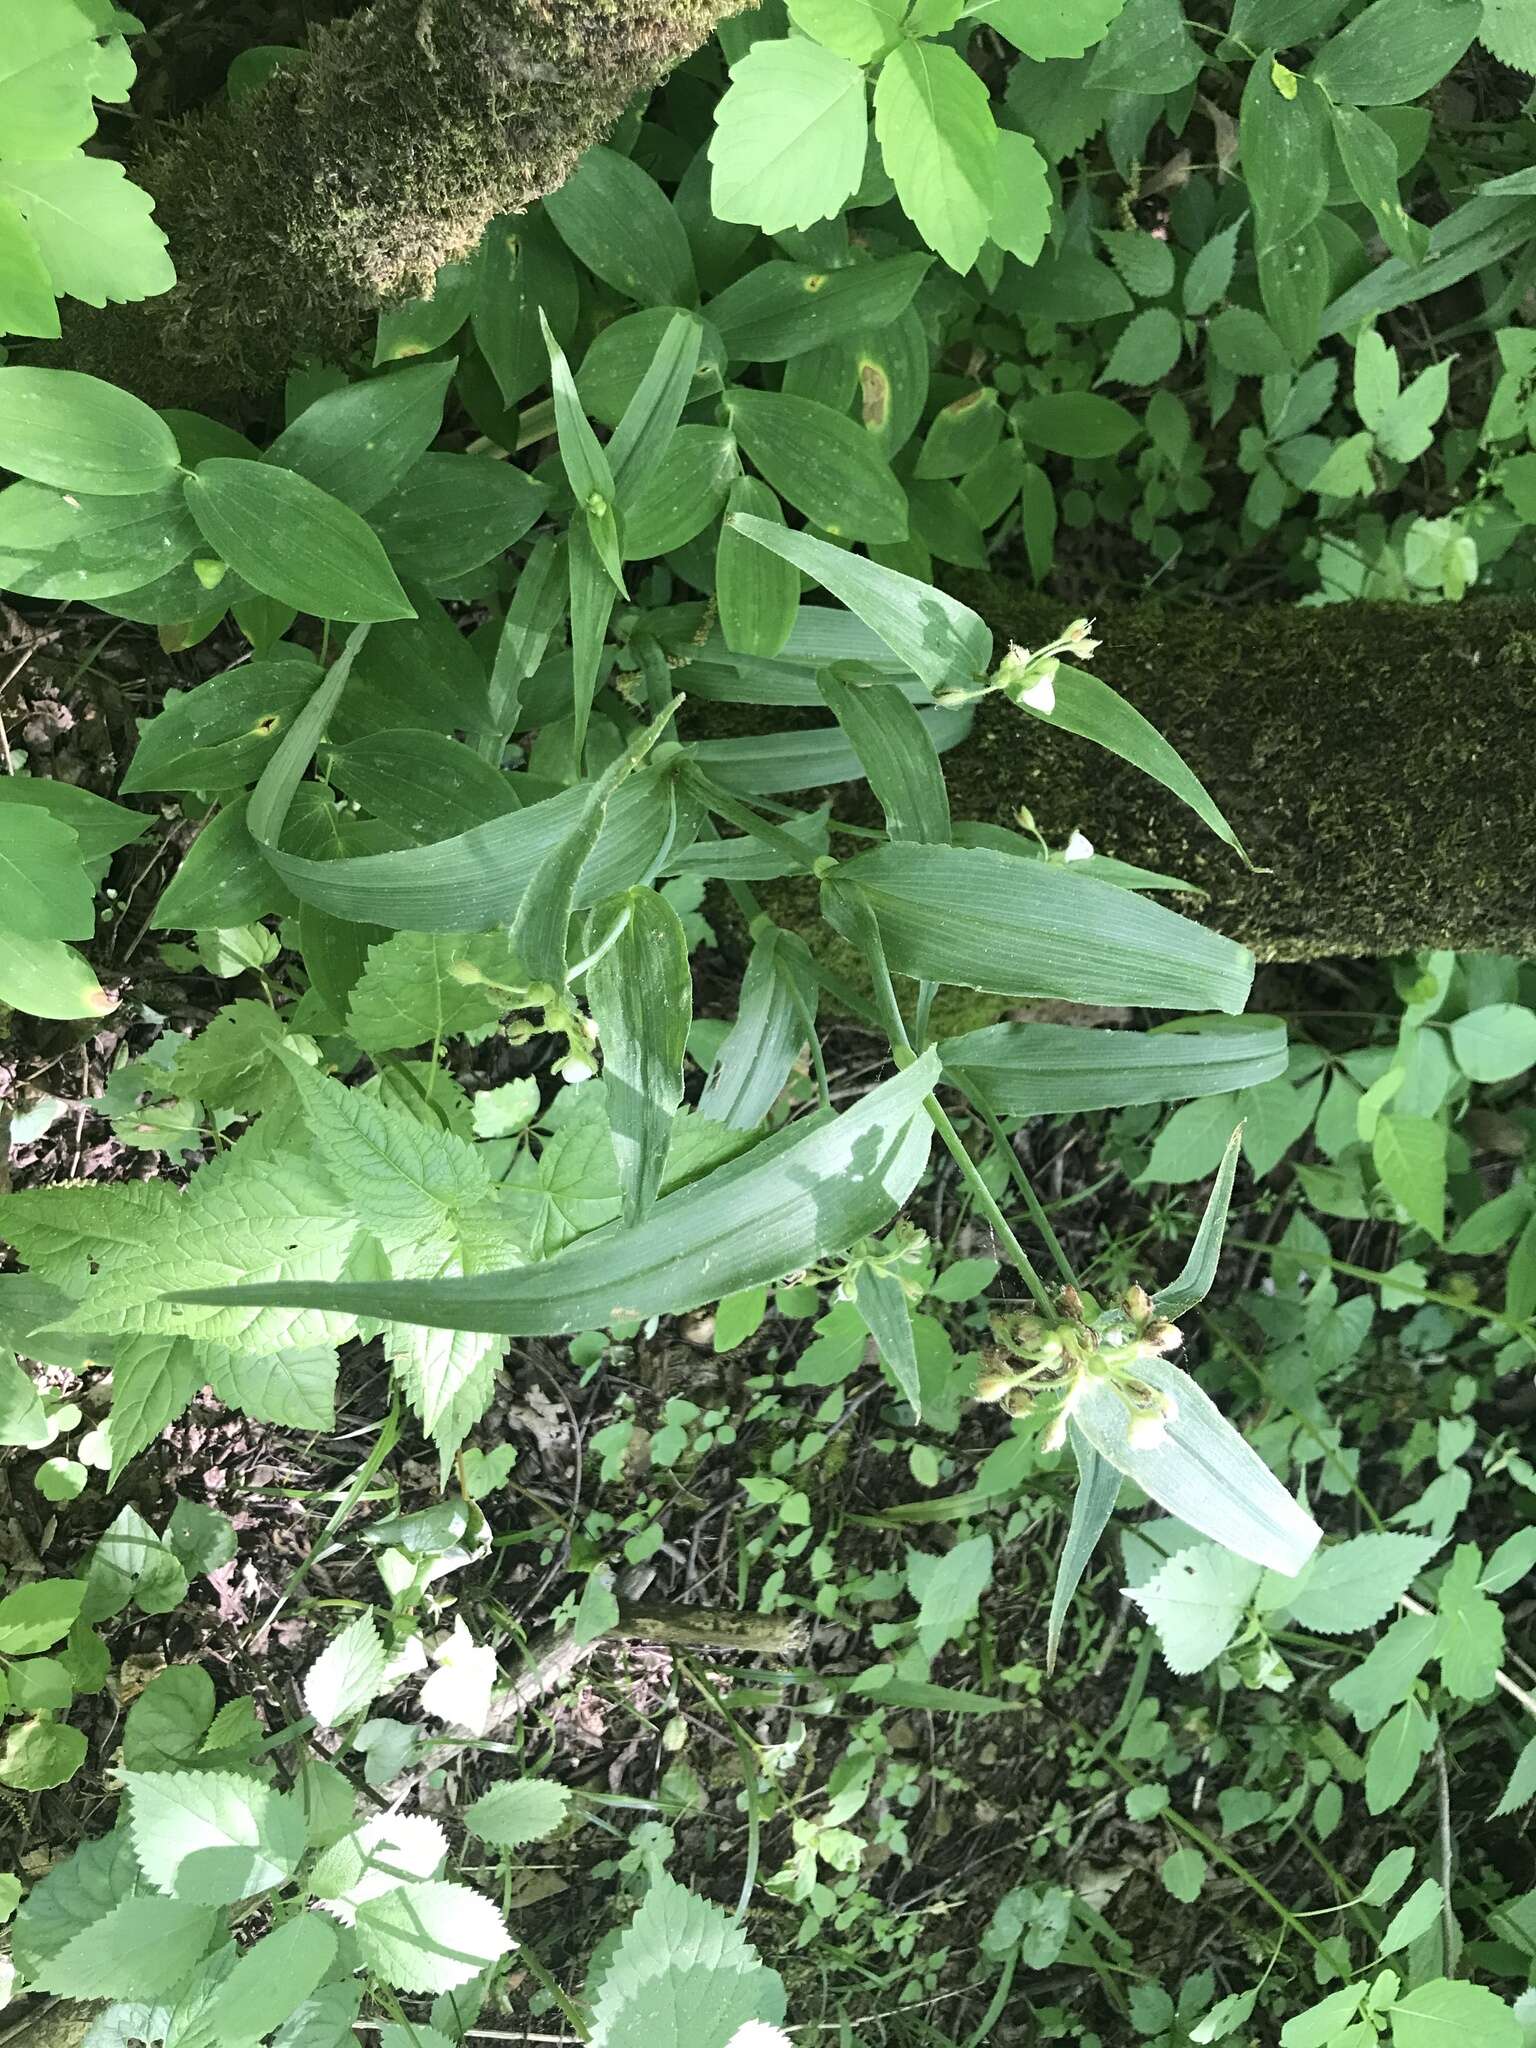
x=1022, y=1182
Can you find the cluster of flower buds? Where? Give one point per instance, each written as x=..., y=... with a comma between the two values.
x=1031, y=1357
x=901, y=1255
x=552, y=1013
x=1027, y=677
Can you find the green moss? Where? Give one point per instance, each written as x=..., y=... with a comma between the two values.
x=1376, y=760
x=334, y=190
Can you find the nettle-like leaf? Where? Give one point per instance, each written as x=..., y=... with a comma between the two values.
x=348, y=1673
x=517, y=1811
x=210, y=1837
x=682, y=1975
x=790, y=136
x=70, y=224
x=430, y=1937
x=1195, y=1602
x=939, y=142
x=384, y=1853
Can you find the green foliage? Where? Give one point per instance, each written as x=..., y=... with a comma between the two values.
x=695, y=432
x=70, y=224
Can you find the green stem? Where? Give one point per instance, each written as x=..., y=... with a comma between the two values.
x=982, y=1195
x=1022, y=1182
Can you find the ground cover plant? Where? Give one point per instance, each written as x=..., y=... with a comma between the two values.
x=725, y=1314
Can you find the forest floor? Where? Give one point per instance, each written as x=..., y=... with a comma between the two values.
x=880, y=1828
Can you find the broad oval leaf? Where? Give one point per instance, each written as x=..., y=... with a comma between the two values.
x=822, y=462
x=81, y=434
x=293, y=541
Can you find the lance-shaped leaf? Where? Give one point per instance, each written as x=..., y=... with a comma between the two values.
x=775, y=1014
x=472, y=880
x=583, y=458
x=531, y=619
x=593, y=597
x=935, y=636
x=1085, y=705
x=1098, y=1488
x=1059, y=1069
x=967, y=915
x=640, y=992
x=543, y=921
x=888, y=1318
x=1194, y=1283
x=650, y=419
x=808, y=1192
x=895, y=749
x=1199, y=1468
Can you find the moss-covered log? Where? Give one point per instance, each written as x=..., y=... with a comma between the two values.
x=342, y=186
x=1378, y=761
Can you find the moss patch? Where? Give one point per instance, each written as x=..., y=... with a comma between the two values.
x=295, y=215
x=1376, y=760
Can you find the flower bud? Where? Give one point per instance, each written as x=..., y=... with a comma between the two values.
x=1165, y=1337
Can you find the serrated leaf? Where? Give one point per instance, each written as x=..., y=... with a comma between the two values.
x=295, y=1389
x=1356, y=1584
x=516, y=1811
x=790, y=136
x=1070, y=28
x=384, y=1853
x=141, y=1948
x=272, y=1977
x=682, y=1975
x=210, y=1837
x=430, y=1937
x=939, y=143
x=1409, y=1153
x=92, y=228
x=1195, y=1601
x=347, y=1675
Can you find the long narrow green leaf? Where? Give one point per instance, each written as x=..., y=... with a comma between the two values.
x=650, y=419
x=797, y=1198
x=896, y=751
x=1194, y=1283
x=771, y=764
x=758, y=1053
x=1098, y=1488
x=582, y=455
x=935, y=636
x=541, y=928
x=473, y=880
x=1030, y=928
x=531, y=619
x=1094, y=711
x=1056, y=1069
x=593, y=598
x=640, y=992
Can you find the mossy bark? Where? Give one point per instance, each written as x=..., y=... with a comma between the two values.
x=1378, y=761
x=294, y=215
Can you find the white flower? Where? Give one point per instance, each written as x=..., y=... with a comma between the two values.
x=758, y=2034
x=1040, y=695
x=1078, y=847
